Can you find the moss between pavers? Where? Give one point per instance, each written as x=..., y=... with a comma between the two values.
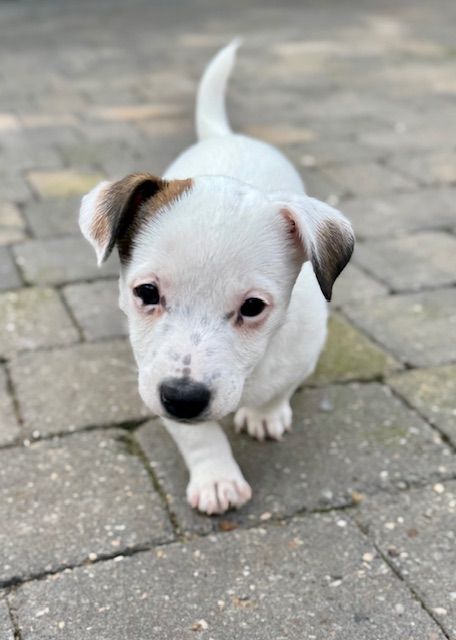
x=349, y=355
x=60, y=184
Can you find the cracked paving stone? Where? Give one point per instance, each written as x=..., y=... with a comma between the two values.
x=33, y=318
x=415, y=328
x=394, y=214
x=433, y=393
x=308, y=579
x=9, y=276
x=411, y=262
x=6, y=629
x=60, y=260
x=349, y=355
x=9, y=427
x=416, y=531
x=84, y=385
x=53, y=216
x=346, y=438
x=96, y=309
x=68, y=500
x=355, y=286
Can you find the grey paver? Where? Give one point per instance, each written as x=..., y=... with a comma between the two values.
x=217, y=588
x=9, y=276
x=391, y=214
x=53, y=216
x=84, y=494
x=6, y=629
x=9, y=427
x=416, y=532
x=96, y=309
x=411, y=262
x=12, y=227
x=32, y=318
x=80, y=386
x=366, y=178
x=414, y=327
x=345, y=439
x=61, y=260
x=433, y=393
x=353, y=285
x=429, y=169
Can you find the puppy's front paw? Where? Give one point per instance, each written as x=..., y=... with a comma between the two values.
x=213, y=493
x=262, y=424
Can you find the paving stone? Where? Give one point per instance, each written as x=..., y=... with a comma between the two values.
x=409, y=139
x=309, y=579
x=33, y=318
x=6, y=629
x=9, y=428
x=429, y=169
x=61, y=260
x=388, y=214
x=96, y=309
x=366, y=178
x=84, y=385
x=416, y=532
x=349, y=355
x=72, y=497
x=64, y=183
x=281, y=134
x=53, y=216
x=13, y=186
x=432, y=392
x=346, y=438
x=415, y=328
x=353, y=285
x=320, y=153
x=320, y=186
x=12, y=227
x=9, y=277
x=411, y=262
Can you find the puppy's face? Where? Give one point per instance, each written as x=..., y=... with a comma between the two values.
x=208, y=267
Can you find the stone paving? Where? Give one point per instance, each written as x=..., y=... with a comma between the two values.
x=351, y=533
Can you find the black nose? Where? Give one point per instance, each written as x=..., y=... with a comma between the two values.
x=184, y=398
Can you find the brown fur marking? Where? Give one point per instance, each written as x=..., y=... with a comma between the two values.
x=127, y=204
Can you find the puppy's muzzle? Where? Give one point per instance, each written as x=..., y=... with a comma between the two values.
x=183, y=398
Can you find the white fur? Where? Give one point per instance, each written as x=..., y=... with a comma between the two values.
x=222, y=241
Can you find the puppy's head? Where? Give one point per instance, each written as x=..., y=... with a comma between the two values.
x=208, y=267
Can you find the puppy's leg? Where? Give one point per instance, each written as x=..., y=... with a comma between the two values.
x=216, y=481
x=271, y=420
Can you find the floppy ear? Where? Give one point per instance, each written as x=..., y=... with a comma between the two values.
x=112, y=212
x=322, y=235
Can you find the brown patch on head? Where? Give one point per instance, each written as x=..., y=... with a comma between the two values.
x=127, y=204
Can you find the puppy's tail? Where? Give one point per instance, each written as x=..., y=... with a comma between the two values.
x=211, y=118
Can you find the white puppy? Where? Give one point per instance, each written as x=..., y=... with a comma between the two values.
x=226, y=264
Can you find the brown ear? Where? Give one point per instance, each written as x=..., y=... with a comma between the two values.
x=112, y=213
x=323, y=235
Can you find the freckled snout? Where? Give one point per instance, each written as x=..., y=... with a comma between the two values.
x=184, y=398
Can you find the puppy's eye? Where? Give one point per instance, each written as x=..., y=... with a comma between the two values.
x=148, y=293
x=252, y=307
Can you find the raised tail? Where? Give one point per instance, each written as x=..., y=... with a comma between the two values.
x=211, y=118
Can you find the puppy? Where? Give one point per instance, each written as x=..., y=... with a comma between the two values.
x=226, y=266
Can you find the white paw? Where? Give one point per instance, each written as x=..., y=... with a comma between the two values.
x=213, y=493
x=260, y=425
